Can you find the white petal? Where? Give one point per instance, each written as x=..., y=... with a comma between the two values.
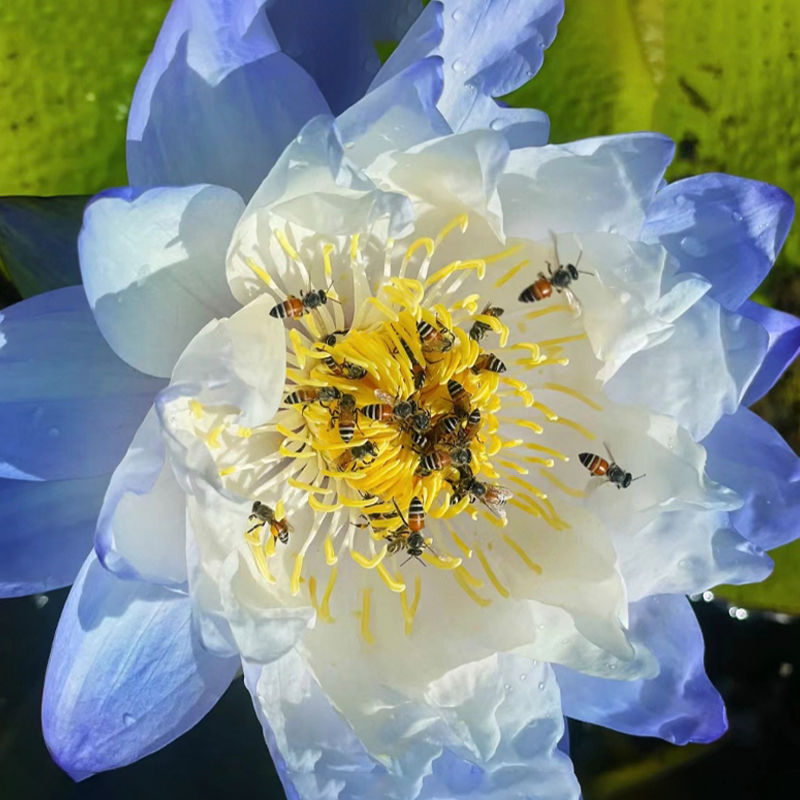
x=141, y=532
x=700, y=373
x=153, y=268
x=600, y=184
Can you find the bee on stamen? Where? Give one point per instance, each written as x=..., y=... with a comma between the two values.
x=494, y=497
x=293, y=307
x=442, y=458
x=346, y=369
x=480, y=329
x=307, y=395
x=264, y=515
x=460, y=397
x=346, y=415
x=408, y=536
x=357, y=456
x=417, y=370
x=488, y=362
x=435, y=338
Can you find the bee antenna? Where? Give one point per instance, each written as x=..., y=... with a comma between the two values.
x=643, y=475
x=400, y=512
x=580, y=256
x=586, y=272
x=555, y=246
x=418, y=559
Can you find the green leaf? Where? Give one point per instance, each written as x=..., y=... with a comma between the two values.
x=38, y=241
x=780, y=592
x=67, y=73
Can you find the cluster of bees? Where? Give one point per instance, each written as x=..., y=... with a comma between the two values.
x=441, y=445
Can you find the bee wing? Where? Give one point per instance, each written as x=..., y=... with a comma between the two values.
x=494, y=506
x=384, y=398
x=573, y=302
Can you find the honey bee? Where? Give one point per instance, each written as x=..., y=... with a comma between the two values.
x=460, y=397
x=435, y=338
x=357, y=455
x=472, y=426
x=408, y=536
x=612, y=472
x=346, y=415
x=559, y=280
x=417, y=370
x=407, y=412
x=488, y=362
x=353, y=372
x=421, y=442
x=494, y=497
x=312, y=394
x=480, y=329
x=293, y=306
x=447, y=426
x=264, y=515
x=442, y=458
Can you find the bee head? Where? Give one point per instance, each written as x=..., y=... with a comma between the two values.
x=627, y=480
x=573, y=271
x=422, y=420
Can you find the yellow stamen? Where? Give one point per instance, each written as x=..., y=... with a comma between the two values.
x=258, y=271
x=562, y=340
x=394, y=585
x=576, y=427
x=365, y=601
x=261, y=563
x=308, y=487
x=294, y=585
x=368, y=563
x=410, y=612
x=327, y=249
x=196, y=408
x=462, y=581
x=461, y=221
x=287, y=248
x=330, y=555
x=546, y=310
x=522, y=554
x=549, y=450
x=324, y=610
x=561, y=485
x=444, y=562
x=297, y=346
x=557, y=387
x=490, y=573
x=227, y=471
x=510, y=251
x=324, y=508
x=425, y=242
x=512, y=465
x=504, y=279
x=383, y=308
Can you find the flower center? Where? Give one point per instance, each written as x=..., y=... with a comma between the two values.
x=396, y=424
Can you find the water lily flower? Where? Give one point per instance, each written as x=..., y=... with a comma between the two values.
x=423, y=424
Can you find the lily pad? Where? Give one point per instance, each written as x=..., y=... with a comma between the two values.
x=68, y=69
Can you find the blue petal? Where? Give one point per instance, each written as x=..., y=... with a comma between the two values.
x=46, y=530
x=679, y=704
x=397, y=115
x=784, y=345
x=335, y=42
x=38, y=241
x=69, y=406
x=724, y=228
x=217, y=101
x=126, y=676
x=489, y=49
x=748, y=455
x=153, y=266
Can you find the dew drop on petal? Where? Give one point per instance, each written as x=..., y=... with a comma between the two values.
x=128, y=720
x=523, y=677
x=40, y=600
x=694, y=247
x=458, y=65
x=496, y=124
x=541, y=687
x=458, y=14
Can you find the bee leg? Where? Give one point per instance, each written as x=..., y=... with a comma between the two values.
x=256, y=527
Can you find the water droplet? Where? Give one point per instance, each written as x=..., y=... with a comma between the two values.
x=732, y=611
x=694, y=247
x=300, y=138
x=612, y=666
x=540, y=626
x=683, y=563
x=541, y=687
x=54, y=432
x=40, y=600
x=459, y=65
x=496, y=124
x=523, y=677
x=508, y=687
x=128, y=720
x=736, y=216
x=349, y=145
x=708, y=596
x=457, y=15
x=741, y=613
x=680, y=200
